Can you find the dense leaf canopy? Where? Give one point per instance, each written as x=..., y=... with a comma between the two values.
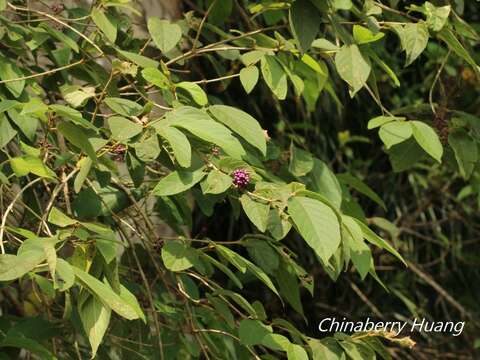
x=211, y=185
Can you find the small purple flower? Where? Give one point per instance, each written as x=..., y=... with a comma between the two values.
x=241, y=178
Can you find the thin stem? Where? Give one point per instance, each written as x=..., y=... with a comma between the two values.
x=54, y=195
x=200, y=27
x=49, y=72
x=53, y=18
x=435, y=80
x=206, y=81
x=10, y=207
x=149, y=291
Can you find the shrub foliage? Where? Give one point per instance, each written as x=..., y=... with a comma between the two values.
x=176, y=191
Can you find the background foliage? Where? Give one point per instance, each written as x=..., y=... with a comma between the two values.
x=212, y=186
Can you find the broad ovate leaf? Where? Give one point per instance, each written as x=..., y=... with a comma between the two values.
x=352, y=67
x=165, y=35
x=317, y=223
x=241, y=123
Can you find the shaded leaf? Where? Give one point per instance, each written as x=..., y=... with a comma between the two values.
x=318, y=225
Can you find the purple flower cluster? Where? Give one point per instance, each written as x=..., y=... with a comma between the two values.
x=241, y=178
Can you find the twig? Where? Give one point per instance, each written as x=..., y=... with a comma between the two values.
x=54, y=195
x=10, y=207
x=221, y=332
x=53, y=18
x=200, y=27
x=430, y=281
x=435, y=80
x=206, y=81
x=52, y=71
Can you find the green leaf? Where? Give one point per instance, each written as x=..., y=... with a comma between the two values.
x=108, y=297
x=249, y=78
x=178, y=256
x=363, y=35
x=289, y=287
x=147, y=148
x=220, y=11
x=359, y=252
x=388, y=70
x=129, y=298
x=456, y=46
x=324, y=44
x=274, y=76
x=318, y=225
x=123, y=106
x=58, y=218
x=201, y=125
x=342, y=4
x=243, y=264
x=32, y=346
x=30, y=150
x=376, y=240
x=405, y=155
x=72, y=115
x=104, y=24
x=352, y=67
x=165, y=35
x=357, y=350
x=252, y=332
x=138, y=59
x=414, y=39
x=95, y=317
x=77, y=96
x=324, y=182
x=13, y=267
x=6, y=105
x=156, y=77
x=301, y=161
x=466, y=151
x=107, y=247
x=64, y=275
x=375, y=344
x=263, y=254
x=35, y=106
x=382, y=120
x=428, y=139
x=296, y=352
x=224, y=269
x=370, y=8
x=395, y=132
x=256, y=211
x=252, y=57
x=136, y=169
x=179, y=143
x=326, y=349
x=60, y=36
x=9, y=71
x=361, y=187
x=178, y=181
x=304, y=22
x=437, y=16
x=85, y=164
x=241, y=123
x=7, y=132
x=77, y=137
x=30, y=164
x=278, y=224
x=122, y=128
x=276, y=342
x=216, y=182
x=195, y=91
